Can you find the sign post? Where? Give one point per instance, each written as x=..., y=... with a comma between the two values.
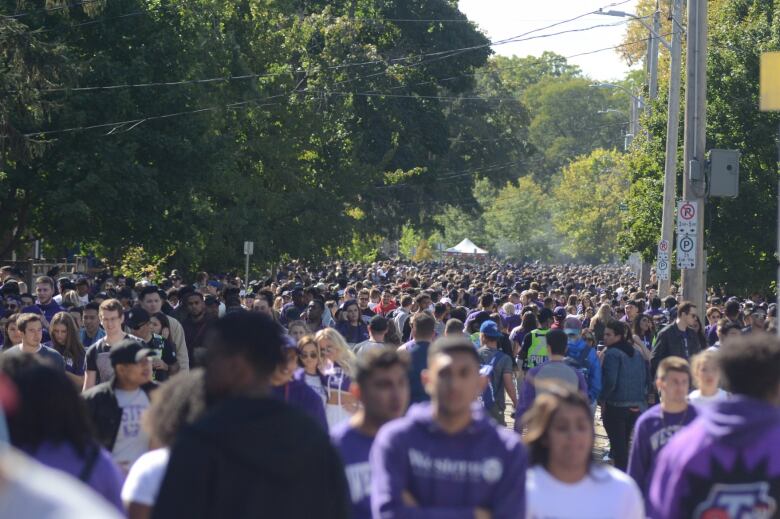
x=662, y=266
x=687, y=228
x=770, y=102
x=249, y=249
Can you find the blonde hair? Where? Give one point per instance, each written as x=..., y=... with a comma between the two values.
x=602, y=316
x=343, y=356
x=508, y=308
x=71, y=297
x=698, y=360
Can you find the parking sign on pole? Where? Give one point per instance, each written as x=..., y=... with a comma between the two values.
x=687, y=226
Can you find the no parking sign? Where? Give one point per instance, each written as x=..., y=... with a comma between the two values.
x=687, y=227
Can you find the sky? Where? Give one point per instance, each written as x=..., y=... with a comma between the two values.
x=501, y=19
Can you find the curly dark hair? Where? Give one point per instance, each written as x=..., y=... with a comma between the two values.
x=178, y=402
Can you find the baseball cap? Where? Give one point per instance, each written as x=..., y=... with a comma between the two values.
x=559, y=312
x=572, y=326
x=137, y=317
x=378, y=323
x=129, y=351
x=490, y=329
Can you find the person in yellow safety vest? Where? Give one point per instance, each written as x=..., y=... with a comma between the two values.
x=534, y=350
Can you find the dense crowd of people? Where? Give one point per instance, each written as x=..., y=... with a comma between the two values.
x=386, y=390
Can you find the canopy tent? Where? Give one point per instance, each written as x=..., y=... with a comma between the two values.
x=466, y=247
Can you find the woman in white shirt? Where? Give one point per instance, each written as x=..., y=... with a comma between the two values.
x=178, y=402
x=562, y=480
x=706, y=377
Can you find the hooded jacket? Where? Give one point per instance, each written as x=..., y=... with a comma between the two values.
x=727, y=460
x=448, y=475
x=575, y=350
x=253, y=457
x=624, y=377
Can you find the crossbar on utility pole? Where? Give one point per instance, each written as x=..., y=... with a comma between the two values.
x=672, y=140
x=694, y=186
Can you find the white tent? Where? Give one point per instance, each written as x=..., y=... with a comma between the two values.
x=466, y=247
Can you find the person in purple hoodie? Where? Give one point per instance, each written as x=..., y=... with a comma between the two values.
x=383, y=389
x=726, y=464
x=289, y=385
x=446, y=457
x=656, y=426
x=51, y=425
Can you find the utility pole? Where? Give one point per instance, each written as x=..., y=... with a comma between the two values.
x=694, y=186
x=672, y=142
x=652, y=55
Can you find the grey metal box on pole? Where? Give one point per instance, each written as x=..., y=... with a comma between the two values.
x=724, y=173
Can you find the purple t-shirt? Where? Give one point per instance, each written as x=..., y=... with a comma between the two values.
x=354, y=447
x=652, y=431
x=448, y=475
x=726, y=463
x=104, y=478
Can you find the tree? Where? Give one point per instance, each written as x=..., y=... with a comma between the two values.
x=740, y=234
x=516, y=222
x=588, y=211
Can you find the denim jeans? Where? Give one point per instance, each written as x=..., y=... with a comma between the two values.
x=619, y=423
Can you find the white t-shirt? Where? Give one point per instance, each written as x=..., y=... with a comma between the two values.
x=696, y=398
x=131, y=440
x=145, y=477
x=605, y=493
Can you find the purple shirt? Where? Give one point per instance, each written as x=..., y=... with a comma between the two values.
x=354, y=447
x=298, y=394
x=448, y=475
x=652, y=431
x=104, y=477
x=726, y=463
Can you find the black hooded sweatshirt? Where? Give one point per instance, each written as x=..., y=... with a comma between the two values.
x=253, y=458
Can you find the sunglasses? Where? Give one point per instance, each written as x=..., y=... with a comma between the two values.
x=311, y=355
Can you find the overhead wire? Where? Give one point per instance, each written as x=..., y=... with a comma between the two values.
x=150, y=118
x=444, y=54
x=144, y=119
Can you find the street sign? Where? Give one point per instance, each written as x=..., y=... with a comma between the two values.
x=662, y=265
x=770, y=81
x=687, y=228
x=249, y=248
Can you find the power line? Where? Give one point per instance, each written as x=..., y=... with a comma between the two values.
x=51, y=9
x=151, y=118
x=439, y=54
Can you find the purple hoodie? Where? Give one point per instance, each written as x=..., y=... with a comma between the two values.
x=354, y=447
x=725, y=464
x=448, y=475
x=104, y=478
x=651, y=433
x=298, y=394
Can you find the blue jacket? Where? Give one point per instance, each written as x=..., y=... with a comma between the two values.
x=624, y=377
x=418, y=354
x=594, y=367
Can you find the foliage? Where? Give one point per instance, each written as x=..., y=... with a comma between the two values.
x=740, y=234
x=588, y=210
x=138, y=263
x=516, y=221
